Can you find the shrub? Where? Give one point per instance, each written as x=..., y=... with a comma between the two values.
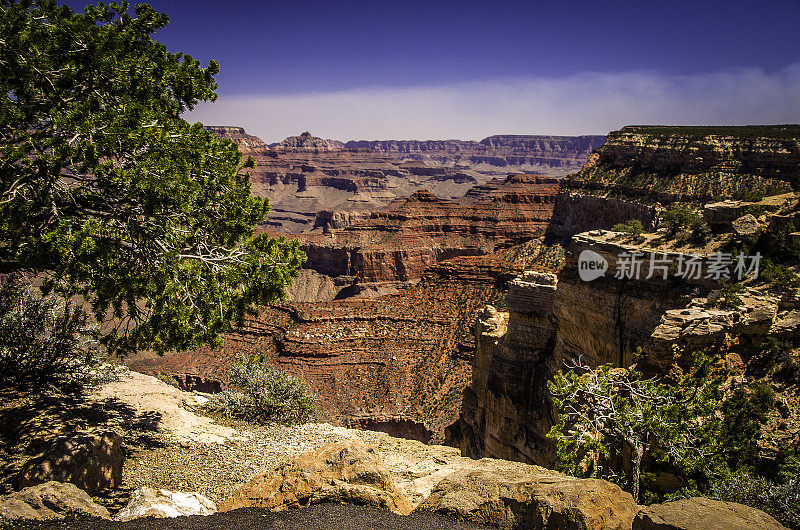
x=678, y=218
x=265, y=394
x=782, y=501
x=780, y=277
x=632, y=228
x=45, y=342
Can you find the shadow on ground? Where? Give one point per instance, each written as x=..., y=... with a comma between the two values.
x=30, y=422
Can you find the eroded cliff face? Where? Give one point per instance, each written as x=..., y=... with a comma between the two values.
x=398, y=242
x=304, y=175
x=500, y=154
x=641, y=170
x=506, y=411
x=396, y=363
x=668, y=164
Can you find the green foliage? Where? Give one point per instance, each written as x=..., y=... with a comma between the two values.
x=680, y=217
x=633, y=228
x=777, y=359
x=266, y=394
x=701, y=235
x=727, y=296
x=689, y=428
x=102, y=183
x=607, y=413
x=45, y=342
x=782, y=501
x=780, y=277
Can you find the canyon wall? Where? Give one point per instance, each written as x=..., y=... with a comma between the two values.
x=552, y=319
x=640, y=170
x=396, y=363
x=398, y=242
x=305, y=175
x=549, y=155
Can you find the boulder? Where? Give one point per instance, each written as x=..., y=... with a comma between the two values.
x=51, y=500
x=149, y=502
x=91, y=461
x=504, y=494
x=346, y=471
x=699, y=513
x=746, y=226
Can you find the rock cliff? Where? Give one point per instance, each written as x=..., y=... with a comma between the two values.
x=397, y=242
x=304, y=175
x=639, y=169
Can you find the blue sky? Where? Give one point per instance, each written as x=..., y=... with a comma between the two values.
x=351, y=70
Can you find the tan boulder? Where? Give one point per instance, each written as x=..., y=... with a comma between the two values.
x=51, y=500
x=149, y=502
x=347, y=472
x=91, y=461
x=504, y=494
x=699, y=513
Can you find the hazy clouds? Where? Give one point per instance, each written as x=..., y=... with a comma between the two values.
x=591, y=103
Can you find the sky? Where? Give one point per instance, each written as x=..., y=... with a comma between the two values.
x=432, y=69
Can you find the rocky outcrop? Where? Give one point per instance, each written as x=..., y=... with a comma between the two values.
x=51, y=500
x=698, y=513
x=306, y=142
x=696, y=164
x=149, y=502
x=91, y=461
x=509, y=495
x=347, y=472
x=398, y=242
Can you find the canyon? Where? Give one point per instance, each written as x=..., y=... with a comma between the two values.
x=382, y=320
x=304, y=175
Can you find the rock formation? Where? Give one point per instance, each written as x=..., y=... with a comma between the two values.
x=344, y=472
x=551, y=319
x=698, y=513
x=304, y=175
x=50, y=500
x=397, y=242
x=148, y=502
x=639, y=167
x=91, y=461
x=549, y=155
x=396, y=362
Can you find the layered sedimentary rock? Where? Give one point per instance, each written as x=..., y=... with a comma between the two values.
x=397, y=242
x=640, y=169
x=396, y=363
x=549, y=155
x=303, y=175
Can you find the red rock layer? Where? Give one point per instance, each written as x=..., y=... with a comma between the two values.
x=399, y=362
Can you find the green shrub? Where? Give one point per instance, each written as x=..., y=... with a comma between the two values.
x=727, y=296
x=782, y=501
x=680, y=217
x=632, y=228
x=701, y=235
x=264, y=394
x=780, y=277
x=45, y=342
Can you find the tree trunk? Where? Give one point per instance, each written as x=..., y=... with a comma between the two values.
x=636, y=469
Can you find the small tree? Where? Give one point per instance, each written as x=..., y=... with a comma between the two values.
x=680, y=217
x=633, y=228
x=607, y=413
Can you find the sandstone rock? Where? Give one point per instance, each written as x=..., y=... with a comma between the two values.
x=722, y=214
x=92, y=461
x=51, y=500
x=148, y=502
x=699, y=513
x=347, y=471
x=746, y=226
x=510, y=495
